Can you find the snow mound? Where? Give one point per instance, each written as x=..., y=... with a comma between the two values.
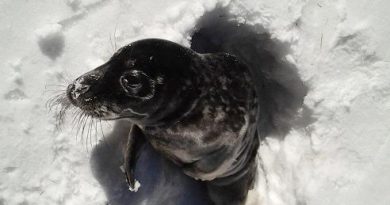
x=51, y=40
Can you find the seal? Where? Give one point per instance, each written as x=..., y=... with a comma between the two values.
x=197, y=110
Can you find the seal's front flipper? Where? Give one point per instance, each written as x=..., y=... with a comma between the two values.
x=135, y=140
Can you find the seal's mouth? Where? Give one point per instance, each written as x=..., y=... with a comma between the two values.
x=96, y=110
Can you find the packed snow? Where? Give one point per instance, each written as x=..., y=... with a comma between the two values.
x=336, y=153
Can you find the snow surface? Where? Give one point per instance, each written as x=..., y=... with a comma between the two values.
x=336, y=154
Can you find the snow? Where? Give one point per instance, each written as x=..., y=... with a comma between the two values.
x=337, y=152
x=51, y=40
x=136, y=187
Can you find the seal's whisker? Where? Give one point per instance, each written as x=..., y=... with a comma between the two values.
x=115, y=37
x=76, y=115
x=88, y=137
x=89, y=133
x=55, y=85
x=79, y=125
x=86, y=133
x=59, y=104
x=112, y=45
x=96, y=131
x=46, y=91
x=83, y=137
x=60, y=116
x=54, y=101
x=83, y=134
x=76, y=124
x=108, y=124
x=61, y=86
x=103, y=135
x=76, y=119
x=53, y=89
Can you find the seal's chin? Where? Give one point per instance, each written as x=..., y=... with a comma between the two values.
x=132, y=114
x=104, y=113
x=90, y=107
x=110, y=116
x=97, y=111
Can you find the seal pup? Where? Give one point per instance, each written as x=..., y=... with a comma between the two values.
x=197, y=110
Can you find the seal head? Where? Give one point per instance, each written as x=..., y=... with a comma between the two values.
x=141, y=81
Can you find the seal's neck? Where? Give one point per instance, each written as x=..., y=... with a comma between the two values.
x=179, y=105
x=174, y=109
x=174, y=116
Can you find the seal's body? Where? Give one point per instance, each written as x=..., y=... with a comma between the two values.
x=198, y=110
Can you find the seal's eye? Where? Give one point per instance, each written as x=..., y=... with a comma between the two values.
x=131, y=81
x=137, y=84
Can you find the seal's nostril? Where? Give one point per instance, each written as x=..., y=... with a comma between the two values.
x=83, y=89
x=70, y=93
x=70, y=88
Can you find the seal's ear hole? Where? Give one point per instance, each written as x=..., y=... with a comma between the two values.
x=279, y=86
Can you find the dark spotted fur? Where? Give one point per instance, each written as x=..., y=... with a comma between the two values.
x=198, y=110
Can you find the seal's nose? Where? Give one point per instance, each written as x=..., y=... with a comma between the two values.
x=76, y=89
